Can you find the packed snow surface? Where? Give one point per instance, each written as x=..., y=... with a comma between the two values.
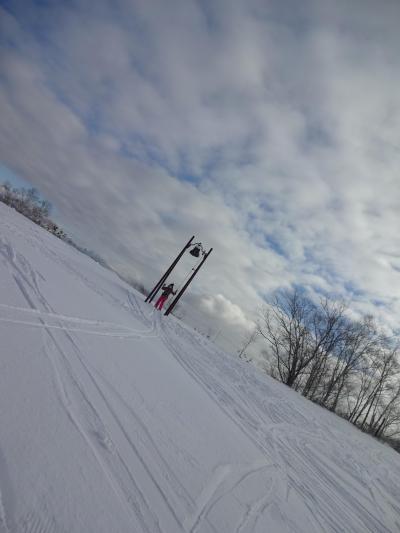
x=115, y=418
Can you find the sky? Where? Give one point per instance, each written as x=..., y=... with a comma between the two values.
x=269, y=129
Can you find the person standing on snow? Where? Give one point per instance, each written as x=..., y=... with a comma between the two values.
x=167, y=290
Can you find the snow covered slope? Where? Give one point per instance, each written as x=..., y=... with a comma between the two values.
x=114, y=418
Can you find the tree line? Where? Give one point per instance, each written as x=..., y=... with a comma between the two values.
x=344, y=364
x=29, y=203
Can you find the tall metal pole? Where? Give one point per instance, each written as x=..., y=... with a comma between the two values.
x=157, y=286
x=173, y=304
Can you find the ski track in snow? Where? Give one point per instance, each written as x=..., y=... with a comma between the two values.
x=82, y=411
x=84, y=416
x=5, y=493
x=236, y=414
x=336, y=489
x=137, y=310
x=100, y=332
x=43, y=522
x=287, y=440
x=102, y=328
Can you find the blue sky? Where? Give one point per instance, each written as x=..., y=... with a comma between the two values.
x=269, y=129
x=7, y=175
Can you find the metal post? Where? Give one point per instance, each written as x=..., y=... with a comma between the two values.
x=173, y=304
x=157, y=286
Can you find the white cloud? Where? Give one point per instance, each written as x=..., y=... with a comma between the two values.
x=220, y=307
x=285, y=116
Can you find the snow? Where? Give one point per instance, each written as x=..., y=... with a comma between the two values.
x=115, y=418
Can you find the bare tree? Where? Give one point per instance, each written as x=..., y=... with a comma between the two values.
x=284, y=324
x=377, y=393
x=327, y=330
x=345, y=365
x=356, y=341
x=28, y=203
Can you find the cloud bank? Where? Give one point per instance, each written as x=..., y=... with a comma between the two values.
x=268, y=129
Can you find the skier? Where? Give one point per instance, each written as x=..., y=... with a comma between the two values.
x=167, y=290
